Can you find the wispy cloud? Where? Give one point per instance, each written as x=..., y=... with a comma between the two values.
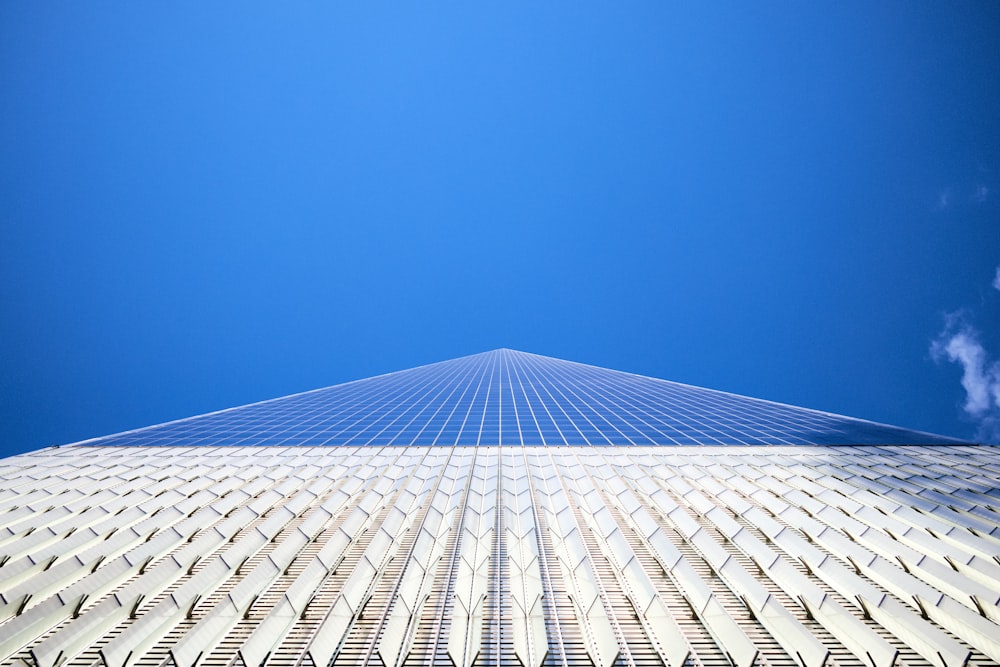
x=960, y=343
x=944, y=199
x=996, y=279
x=963, y=196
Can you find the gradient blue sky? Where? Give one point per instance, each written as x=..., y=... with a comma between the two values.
x=207, y=204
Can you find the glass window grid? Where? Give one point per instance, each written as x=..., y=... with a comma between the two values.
x=515, y=398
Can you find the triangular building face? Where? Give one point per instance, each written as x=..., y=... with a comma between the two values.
x=507, y=397
x=503, y=509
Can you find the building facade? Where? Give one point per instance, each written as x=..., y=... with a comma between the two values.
x=503, y=509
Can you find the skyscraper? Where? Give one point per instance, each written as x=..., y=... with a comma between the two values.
x=503, y=509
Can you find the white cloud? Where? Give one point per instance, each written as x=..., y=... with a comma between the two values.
x=996, y=279
x=982, y=192
x=960, y=343
x=963, y=347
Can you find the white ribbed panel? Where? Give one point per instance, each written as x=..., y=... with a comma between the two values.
x=493, y=556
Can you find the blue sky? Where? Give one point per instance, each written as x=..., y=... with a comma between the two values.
x=207, y=204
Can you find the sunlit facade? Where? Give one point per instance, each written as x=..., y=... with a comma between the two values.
x=503, y=509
